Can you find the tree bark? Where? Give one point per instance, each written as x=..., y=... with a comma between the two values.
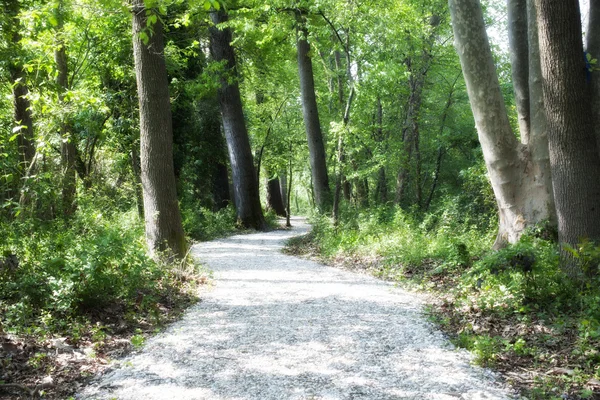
x=312, y=124
x=567, y=95
x=220, y=187
x=519, y=59
x=21, y=105
x=274, y=199
x=245, y=184
x=164, y=231
x=523, y=198
x=137, y=179
x=68, y=149
x=593, y=49
x=283, y=184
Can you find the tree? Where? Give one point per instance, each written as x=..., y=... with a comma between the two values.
x=164, y=231
x=571, y=131
x=593, y=52
x=22, y=106
x=68, y=146
x=519, y=172
x=245, y=183
x=312, y=123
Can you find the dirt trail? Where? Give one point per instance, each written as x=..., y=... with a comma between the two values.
x=277, y=327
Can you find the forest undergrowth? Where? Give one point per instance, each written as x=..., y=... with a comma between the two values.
x=76, y=293
x=514, y=309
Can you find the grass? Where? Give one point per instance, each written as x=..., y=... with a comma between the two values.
x=514, y=309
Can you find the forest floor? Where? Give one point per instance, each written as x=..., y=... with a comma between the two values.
x=274, y=326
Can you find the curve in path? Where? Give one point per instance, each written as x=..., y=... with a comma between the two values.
x=277, y=327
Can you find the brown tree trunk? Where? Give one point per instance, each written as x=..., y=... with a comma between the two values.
x=274, y=199
x=22, y=112
x=312, y=124
x=220, y=187
x=593, y=49
x=245, y=184
x=137, y=179
x=68, y=149
x=164, y=231
x=567, y=95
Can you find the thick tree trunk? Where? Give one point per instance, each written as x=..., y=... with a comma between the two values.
x=523, y=199
x=519, y=59
x=22, y=111
x=381, y=188
x=164, y=231
x=274, y=199
x=283, y=185
x=220, y=187
x=593, y=49
x=567, y=95
x=537, y=144
x=245, y=184
x=68, y=149
x=312, y=124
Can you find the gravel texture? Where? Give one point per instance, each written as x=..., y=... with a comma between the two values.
x=278, y=327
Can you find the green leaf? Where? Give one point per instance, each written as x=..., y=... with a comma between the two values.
x=207, y=5
x=152, y=19
x=144, y=37
x=53, y=21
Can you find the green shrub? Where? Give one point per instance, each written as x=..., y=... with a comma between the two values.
x=70, y=270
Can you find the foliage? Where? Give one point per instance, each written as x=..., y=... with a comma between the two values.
x=69, y=272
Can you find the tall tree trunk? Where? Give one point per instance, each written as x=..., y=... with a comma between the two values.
x=274, y=199
x=410, y=133
x=220, y=187
x=283, y=184
x=523, y=198
x=441, y=151
x=245, y=184
x=312, y=124
x=137, y=178
x=593, y=49
x=164, y=231
x=68, y=149
x=22, y=107
x=381, y=191
x=567, y=95
x=519, y=59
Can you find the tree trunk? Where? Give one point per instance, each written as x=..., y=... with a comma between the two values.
x=593, y=49
x=245, y=184
x=519, y=59
x=68, y=149
x=274, y=199
x=567, y=95
x=283, y=185
x=220, y=187
x=137, y=179
x=164, y=231
x=22, y=112
x=312, y=124
x=523, y=198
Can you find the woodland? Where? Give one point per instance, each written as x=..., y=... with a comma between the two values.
x=424, y=148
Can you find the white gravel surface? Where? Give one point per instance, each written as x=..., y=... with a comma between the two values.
x=278, y=327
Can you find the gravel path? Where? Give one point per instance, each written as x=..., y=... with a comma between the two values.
x=276, y=327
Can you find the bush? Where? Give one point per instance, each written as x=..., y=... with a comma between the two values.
x=69, y=270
